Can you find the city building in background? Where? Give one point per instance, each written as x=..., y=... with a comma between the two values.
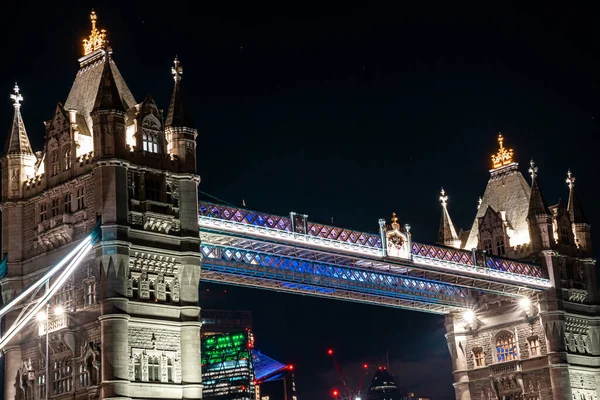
x=274, y=380
x=227, y=368
x=383, y=387
x=223, y=321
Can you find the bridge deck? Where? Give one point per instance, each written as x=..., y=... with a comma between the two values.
x=240, y=221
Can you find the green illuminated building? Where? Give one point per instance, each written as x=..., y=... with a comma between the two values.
x=227, y=368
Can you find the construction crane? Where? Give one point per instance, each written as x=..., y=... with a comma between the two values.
x=347, y=393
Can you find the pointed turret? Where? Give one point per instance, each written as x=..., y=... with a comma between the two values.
x=87, y=93
x=107, y=97
x=17, y=141
x=579, y=222
x=447, y=234
x=177, y=115
x=18, y=160
x=108, y=115
x=507, y=193
x=180, y=133
x=539, y=217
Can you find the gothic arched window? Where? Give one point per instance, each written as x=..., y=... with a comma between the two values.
x=54, y=168
x=67, y=157
x=150, y=142
x=153, y=365
x=487, y=245
x=137, y=367
x=500, y=246
x=84, y=377
x=564, y=235
x=506, y=347
x=170, y=370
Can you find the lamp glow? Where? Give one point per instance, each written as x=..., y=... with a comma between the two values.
x=525, y=303
x=41, y=316
x=469, y=316
x=59, y=310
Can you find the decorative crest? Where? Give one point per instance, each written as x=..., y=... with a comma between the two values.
x=176, y=70
x=479, y=202
x=395, y=224
x=570, y=180
x=533, y=170
x=16, y=97
x=504, y=156
x=97, y=37
x=443, y=198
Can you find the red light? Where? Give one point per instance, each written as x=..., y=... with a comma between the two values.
x=380, y=367
x=290, y=367
x=365, y=366
x=335, y=393
x=330, y=351
x=243, y=387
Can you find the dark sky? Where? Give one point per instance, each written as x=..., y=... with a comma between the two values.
x=341, y=111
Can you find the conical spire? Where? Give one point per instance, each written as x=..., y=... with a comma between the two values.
x=108, y=97
x=537, y=205
x=447, y=234
x=177, y=115
x=574, y=208
x=17, y=141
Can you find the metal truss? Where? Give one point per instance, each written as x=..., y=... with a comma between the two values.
x=210, y=273
x=483, y=283
x=329, y=278
x=272, y=226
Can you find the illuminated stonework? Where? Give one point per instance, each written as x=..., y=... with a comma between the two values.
x=97, y=37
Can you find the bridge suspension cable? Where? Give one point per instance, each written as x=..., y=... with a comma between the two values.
x=52, y=280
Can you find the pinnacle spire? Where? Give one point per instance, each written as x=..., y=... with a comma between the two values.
x=574, y=207
x=537, y=205
x=108, y=97
x=17, y=141
x=177, y=115
x=447, y=234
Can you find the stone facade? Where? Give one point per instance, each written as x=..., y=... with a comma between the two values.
x=535, y=349
x=131, y=325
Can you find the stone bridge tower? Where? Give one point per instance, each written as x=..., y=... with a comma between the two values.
x=545, y=349
x=129, y=326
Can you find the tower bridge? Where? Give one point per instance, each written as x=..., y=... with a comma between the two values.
x=105, y=242
x=291, y=254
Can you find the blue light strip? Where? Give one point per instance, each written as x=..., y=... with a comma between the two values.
x=326, y=279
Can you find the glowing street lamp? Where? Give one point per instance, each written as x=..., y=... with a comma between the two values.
x=41, y=316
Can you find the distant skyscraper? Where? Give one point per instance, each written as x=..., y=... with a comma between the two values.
x=383, y=387
x=274, y=380
x=227, y=368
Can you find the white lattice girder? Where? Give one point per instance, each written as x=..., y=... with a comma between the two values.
x=372, y=264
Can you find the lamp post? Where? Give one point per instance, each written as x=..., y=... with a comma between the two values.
x=45, y=316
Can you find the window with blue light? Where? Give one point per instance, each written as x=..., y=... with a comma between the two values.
x=506, y=347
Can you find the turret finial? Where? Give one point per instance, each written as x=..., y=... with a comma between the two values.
x=97, y=37
x=479, y=203
x=570, y=180
x=532, y=170
x=504, y=156
x=443, y=198
x=176, y=70
x=16, y=97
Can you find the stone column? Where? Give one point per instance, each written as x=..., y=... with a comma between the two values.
x=12, y=363
x=191, y=370
x=457, y=340
x=115, y=351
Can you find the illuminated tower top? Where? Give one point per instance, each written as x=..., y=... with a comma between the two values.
x=97, y=37
x=504, y=156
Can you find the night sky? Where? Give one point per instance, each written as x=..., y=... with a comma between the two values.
x=346, y=112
